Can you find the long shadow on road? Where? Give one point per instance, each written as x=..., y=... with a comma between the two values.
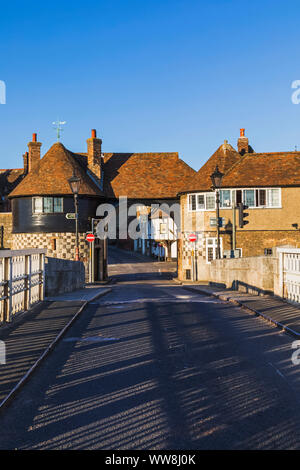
x=155, y=376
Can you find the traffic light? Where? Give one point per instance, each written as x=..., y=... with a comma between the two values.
x=242, y=215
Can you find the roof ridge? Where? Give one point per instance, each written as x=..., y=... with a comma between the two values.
x=294, y=152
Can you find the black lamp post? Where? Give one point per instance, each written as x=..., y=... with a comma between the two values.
x=216, y=178
x=74, y=183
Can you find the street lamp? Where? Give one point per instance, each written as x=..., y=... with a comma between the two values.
x=216, y=178
x=74, y=183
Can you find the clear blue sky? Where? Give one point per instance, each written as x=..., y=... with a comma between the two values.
x=150, y=75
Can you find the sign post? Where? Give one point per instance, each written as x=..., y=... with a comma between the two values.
x=193, y=238
x=233, y=227
x=90, y=237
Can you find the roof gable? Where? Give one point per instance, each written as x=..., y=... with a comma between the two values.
x=51, y=175
x=224, y=157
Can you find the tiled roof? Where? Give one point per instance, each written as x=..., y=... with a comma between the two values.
x=145, y=175
x=9, y=179
x=265, y=169
x=224, y=157
x=52, y=173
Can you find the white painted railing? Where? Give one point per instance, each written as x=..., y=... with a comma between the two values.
x=21, y=281
x=289, y=273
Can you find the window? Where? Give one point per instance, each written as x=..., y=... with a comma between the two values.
x=261, y=198
x=47, y=205
x=225, y=198
x=188, y=274
x=211, y=249
x=192, y=202
x=210, y=201
x=238, y=196
x=57, y=204
x=198, y=202
x=253, y=198
x=201, y=202
x=38, y=205
x=249, y=197
x=274, y=197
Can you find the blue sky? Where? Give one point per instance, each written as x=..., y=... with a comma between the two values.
x=149, y=75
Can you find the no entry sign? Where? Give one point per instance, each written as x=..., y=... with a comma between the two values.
x=192, y=237
x=90, y=237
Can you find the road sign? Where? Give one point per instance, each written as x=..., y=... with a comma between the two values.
x=71, y=215
x=90, y=237
x=213, y=221
x=192, y=237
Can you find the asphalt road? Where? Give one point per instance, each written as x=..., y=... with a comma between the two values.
x=154, y=366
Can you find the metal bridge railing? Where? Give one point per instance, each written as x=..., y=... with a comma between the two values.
x=22, y=275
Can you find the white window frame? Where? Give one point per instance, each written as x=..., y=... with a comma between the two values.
x=33, y=205
x=266, y=206
x=190, y=209
x=43, y=212
x=208, y=193
x=232, y=199
x=214, y=246
x=279, y=199
x=231, y=195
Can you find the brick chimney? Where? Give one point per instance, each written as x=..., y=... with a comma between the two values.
x=34, y=154
x=94, y=159
x=243, y=143
x=25, y=160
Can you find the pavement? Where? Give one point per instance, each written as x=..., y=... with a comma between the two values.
x=80, y=295
x=31, y=333
x=154, y=366
x=274, y=309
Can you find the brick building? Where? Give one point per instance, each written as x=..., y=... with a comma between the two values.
x=268, y=183
x=35, y=199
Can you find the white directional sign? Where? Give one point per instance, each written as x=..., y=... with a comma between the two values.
x=71, y=215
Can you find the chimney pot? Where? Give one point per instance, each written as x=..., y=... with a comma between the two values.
x=34, y=137
x=243, y=143
x=94, y=134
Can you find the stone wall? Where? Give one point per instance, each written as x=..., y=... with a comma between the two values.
x=6, y=230
x=253, y=243
x=63, y=276
x=256, y=274
x=57, y=245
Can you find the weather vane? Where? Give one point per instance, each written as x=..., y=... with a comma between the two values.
x=57, y=126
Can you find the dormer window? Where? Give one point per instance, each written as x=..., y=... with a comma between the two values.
x=47, y=205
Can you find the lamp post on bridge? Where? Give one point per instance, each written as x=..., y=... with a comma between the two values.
x=216, y=178
x=74, y=183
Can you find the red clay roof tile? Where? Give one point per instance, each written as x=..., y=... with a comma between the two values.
x=265, y=169
x=52, y=173
x=145, y=175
